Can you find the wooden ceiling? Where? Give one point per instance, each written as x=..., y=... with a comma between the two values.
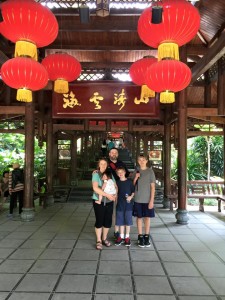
x=112, y=43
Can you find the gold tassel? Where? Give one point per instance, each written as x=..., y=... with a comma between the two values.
x=167, y=97
x=24, y=95
x=168, y=50
x=61, y=86
x=25, y=48
x=146, y=92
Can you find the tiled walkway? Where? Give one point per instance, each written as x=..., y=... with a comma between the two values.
x=54, y=257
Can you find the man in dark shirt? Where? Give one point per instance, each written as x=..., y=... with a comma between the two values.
x=114, y=163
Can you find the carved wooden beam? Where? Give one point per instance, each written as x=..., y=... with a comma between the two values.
x=203, y=112
x=204, y=133
x=207, y=61
x=12, y=110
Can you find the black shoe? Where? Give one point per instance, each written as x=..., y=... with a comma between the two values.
x=146, y=240
x=116, y=235
x=141, y=242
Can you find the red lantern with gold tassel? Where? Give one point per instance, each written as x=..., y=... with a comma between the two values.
x=138, y=74
x=25, y=75
x=28, y=24
x=167, y=77
x=180, y=23
x=62, y=68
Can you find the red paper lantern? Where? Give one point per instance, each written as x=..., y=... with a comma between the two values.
x=25, y=75
x=28, y=24
x=167, y=77
x=138, y=75
x=138, y=69
x=180, y=23
x=62, y=68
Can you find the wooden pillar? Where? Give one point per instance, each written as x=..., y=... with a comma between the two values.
x=182, y=214
x=220, y=88
x=41, y=118
x=167, y=163
x=207, y=90
x=28, y=205
x=73, y=170
x=49, y=155
x=145, y=140
x=55, y=160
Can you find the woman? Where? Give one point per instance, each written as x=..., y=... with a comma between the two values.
x=104, y=210
x=144, y=182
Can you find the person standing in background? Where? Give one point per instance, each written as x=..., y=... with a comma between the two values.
x=144, y=182
x=4, y=187
x=16, y=187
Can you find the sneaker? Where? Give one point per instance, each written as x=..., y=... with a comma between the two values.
x=116, y=235
x=141, y=242
x=127, y=242
x=146, y=240
x=119, y=241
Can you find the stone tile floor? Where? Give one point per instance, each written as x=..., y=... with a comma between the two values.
x=54, y=257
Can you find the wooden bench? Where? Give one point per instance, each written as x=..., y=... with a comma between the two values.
x=200, y=189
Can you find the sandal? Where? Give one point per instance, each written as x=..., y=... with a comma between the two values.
x=106, y=243
x=99, y=245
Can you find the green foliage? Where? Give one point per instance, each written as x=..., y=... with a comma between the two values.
x=197, y=159
x=12, y=148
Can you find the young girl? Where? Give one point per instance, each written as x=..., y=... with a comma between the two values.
x=109, y=186
x=144, y=181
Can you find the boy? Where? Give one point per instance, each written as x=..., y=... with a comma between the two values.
x=144, y=181
x=124, y=206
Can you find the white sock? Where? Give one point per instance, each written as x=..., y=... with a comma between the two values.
x=122, y=236
x=127, y=236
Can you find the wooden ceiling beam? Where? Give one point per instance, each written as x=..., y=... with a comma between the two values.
x=203, y=133
x=210, y=58
x=12, y=110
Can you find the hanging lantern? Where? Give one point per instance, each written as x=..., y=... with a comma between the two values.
x=180, y=23
x=62, y=68
x=167, y=77
x=138, y=74
x=28, y=24
x=25, y=75
x=102, y=8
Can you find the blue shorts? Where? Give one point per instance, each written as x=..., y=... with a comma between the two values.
x=141, y=210
x=124, y=218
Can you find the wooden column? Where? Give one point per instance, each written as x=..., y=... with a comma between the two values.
x=73, y=170
x=167, y=163
x=41, y=118
x=207, y=90
x=182, y=214
x=220, y=88
x=28, y=206
x=145, y=140
x=49, y=157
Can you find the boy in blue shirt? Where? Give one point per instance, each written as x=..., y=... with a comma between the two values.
x=124, y=206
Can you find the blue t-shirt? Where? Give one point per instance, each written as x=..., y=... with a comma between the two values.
x=124, y=187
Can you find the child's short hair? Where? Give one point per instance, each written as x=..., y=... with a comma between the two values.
x=120, y=168
x=108, y=173
x=143, y=155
